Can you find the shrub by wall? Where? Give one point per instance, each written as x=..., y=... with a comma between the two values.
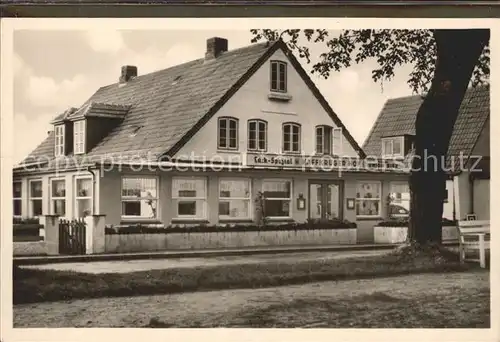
x=138, y=238
x=404, y=223
x=292, y=226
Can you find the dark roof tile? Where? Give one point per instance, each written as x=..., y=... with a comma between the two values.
x=170, y=104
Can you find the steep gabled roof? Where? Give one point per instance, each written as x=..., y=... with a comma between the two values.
x=398, y=118
x=171, y=105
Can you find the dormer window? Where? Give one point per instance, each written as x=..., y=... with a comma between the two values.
x=79, y=137
x=392, y=147
x=278, y=76
x=59, y=140
x=227, y=133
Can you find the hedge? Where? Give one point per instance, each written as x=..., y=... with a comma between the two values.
x=143, y=229
x=19, y=220
x=404, y=223
x=30, y=229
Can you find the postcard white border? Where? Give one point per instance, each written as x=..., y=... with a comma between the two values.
x=8, y=25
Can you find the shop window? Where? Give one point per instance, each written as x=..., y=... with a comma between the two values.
x=58, y=197
x=234, y=199
x=83, y=197
x=35, y=198
x=139, y=197
x=17, y=188
x=190, y=198
x=399, y=200
x=368, y=199
x=277, y=198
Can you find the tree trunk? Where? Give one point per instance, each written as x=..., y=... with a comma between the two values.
x=458, y=52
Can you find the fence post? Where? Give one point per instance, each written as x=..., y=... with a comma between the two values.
x=51, y=227
x=94, y=234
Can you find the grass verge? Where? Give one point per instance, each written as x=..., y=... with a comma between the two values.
x=32, y=286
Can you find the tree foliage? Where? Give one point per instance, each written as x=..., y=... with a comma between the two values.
x=389, y=48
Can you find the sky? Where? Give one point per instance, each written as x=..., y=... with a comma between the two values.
x=55, y=70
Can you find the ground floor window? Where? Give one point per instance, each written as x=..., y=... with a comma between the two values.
x=17, y=188
x=234, y=198
x=139, y=197
x=83, y=197
x=58, y=197
x=190, y=197
x=368, y=199
x=277, y=198
x=399, y=199
x=35, y=198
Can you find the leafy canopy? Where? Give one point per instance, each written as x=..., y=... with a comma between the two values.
x=390, y=49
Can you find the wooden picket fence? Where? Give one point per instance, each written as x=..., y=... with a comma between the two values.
x=72, y=236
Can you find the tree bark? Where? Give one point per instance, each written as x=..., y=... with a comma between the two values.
x=458, y=52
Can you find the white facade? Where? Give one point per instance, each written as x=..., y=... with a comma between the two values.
x=251, y=102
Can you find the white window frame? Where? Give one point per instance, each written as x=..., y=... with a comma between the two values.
x=229, y=199
x=20, y=199
x=77, y=197
x=59, y=132
x=337, y=150
x=53, y=198
x=291, y=124
x=31, y=199
x=326, y=149
x=290, y=199
x=227, y=138
x=176, y=198
x=135, y=199
x=391, y=184
x=79, y=132
x=281, y=85
x=257, y=123
x=379, y=199
x=386, y=154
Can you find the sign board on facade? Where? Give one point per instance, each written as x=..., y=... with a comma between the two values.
x=323, y=162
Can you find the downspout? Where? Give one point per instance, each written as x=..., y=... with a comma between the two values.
x=93, y=189
x=454, y=198
x=471, y=194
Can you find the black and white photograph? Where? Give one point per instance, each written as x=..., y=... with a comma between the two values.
x=234, y=176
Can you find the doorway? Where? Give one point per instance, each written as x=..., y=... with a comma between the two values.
x=325, y=200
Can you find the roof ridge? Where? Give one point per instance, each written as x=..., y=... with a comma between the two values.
x=139, y=77
x=471, y=88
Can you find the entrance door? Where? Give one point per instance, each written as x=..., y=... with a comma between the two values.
x=324, y=200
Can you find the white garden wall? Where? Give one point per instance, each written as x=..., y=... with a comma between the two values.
x=399, y=234
x=30, y=248
x=120, y=243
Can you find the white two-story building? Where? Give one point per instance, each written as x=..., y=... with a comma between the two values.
x=197, y=142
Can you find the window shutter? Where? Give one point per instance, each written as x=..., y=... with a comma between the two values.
x=337, y=141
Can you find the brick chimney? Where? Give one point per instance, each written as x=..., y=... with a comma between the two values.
x=128, y=72
x=215, y=46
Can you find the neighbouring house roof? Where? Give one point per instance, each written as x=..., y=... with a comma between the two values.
x=398, y=118
x=171, y=105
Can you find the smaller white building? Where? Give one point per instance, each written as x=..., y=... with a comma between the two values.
x=468, y=161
